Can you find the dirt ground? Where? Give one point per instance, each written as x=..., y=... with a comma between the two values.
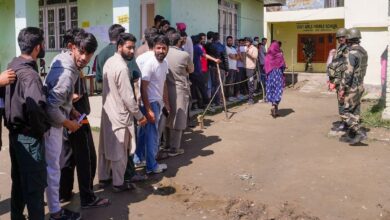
x=257, y=167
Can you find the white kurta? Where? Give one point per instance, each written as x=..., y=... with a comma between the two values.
x=119, y=108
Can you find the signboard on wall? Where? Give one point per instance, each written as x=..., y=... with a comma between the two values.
x=317, y=27
x=294, y=5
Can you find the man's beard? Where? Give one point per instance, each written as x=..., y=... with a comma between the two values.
x=41, y=53
x=127, y=57
x=160, y=56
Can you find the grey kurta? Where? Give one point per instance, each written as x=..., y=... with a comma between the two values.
x=119, y=107
x=178, y=87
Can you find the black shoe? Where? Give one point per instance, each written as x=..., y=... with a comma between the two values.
x=359, y=137
x=348, y=136
x=124, y=187
x=66, y=214
x=104, y=183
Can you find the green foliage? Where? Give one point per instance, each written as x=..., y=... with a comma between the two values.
x=372, y=116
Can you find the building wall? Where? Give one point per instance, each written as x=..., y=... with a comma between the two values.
x=202, y=15
x=7, y=42
x=199, y=16
x=251, y=18
x=163, y=7
x=287, y=32
x=374, y=32
x=370, y=17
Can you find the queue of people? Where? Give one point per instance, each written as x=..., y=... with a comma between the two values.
x=146, y=99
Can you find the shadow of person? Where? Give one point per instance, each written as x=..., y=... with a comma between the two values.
x=285, y=112
x=194, y=142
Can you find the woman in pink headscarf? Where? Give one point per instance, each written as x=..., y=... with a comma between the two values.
x=274, y=66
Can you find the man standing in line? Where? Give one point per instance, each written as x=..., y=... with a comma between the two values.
x=154, y=96
x=27, y=122
x=134, y=75
x=180, y=66
x=233, y=72
x=119, y=108
x=262, y=53
x=335, y=71
x=82, y=153
x=250, y=66
x=352, y=88
x=64, y=72
x=218, y=51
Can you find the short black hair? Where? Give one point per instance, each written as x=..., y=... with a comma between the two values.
x=158, y=18
x=262, y=39
x=164, y=22
x=123, y=37
x=195, y=39
x=114, y=31
x=241, y=40
x=210, y=35
x=174, y=38
x=229, y=37
x=202, y=34
x=150, y=34
x=70, y=35
x=161, y=39
x=29, y=38
x=255, y=38
x=86, y=41
x=183, y=34
x=171, y=30
x=216, y=36
x=248, y=39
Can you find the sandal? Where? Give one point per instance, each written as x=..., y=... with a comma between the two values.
x=97, y=203
x=123, y=187
x=137, y=178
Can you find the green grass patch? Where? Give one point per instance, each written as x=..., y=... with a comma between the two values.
x=95, y=129
x=372, y=116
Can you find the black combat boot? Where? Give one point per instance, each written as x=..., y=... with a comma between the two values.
x=359, y=137
x=348, y=136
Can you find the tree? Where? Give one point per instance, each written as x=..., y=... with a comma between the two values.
x=309, y=52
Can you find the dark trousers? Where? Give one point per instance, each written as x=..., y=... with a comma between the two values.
x=28, y=173
x=242, y=76
x=199, y=89
x=231, y=77
x=84, y=159
x=250, y=73
x=215, y=83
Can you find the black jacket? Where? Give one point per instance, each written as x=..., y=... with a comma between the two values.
x=25, y=100
x=218, y=50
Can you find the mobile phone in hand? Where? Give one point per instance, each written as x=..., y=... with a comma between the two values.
x=81, y=118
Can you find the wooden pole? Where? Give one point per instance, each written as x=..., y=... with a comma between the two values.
x=223, y=92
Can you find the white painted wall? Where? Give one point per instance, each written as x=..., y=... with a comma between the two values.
x=371, y=18
x=375, y=43
x=305, y=15
x=364, y=13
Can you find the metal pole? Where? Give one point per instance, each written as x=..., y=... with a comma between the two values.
x=223, y=92
x=292, y=67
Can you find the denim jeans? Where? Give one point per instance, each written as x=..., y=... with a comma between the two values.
x=147, y=143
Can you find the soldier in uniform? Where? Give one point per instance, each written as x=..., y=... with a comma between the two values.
x=351, y=87
x=335, y=70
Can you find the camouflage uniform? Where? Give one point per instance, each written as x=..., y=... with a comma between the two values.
x=352, y=85
x=336, y=70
